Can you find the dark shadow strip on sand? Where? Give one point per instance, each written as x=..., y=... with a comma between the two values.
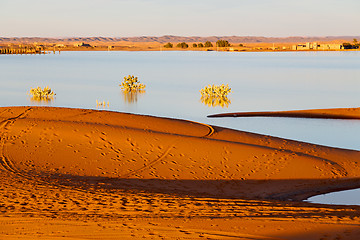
x=286, y=114
x=262, y=189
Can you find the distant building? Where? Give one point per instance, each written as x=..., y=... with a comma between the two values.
x=82, y=45
x=316, y=46
x=331, y=47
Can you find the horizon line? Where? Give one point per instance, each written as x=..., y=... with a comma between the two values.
x=170, y=35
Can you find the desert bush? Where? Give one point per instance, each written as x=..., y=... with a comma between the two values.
x=182, y=45
x=216, y=90
x=222, y=43
x=168, y=45
x=200, y=45
x=41, y=94
x=208, y=44
x=350, y=46
x=194, y=45
x=215, y=95
x=131, y=84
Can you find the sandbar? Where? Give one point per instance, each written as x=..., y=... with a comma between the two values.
x=331, y=113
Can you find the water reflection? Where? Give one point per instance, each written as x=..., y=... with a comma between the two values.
x=102, y=104
x=41, y=100
x=132, y=96
x=215, y=101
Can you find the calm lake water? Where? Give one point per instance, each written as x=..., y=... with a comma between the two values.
x=348, y=197
x=259, y=81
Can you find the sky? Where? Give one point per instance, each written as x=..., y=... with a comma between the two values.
x=131, y=18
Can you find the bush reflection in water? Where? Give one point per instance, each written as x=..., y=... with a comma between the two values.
x=132, y=96
x=215, y=101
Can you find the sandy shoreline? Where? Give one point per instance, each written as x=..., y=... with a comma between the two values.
x=15, y=45
x=166, y=175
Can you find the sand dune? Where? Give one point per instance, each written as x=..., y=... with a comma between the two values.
x=88, y=166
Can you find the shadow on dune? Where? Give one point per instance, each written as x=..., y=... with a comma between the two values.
x=294, y=190
x=349, y=232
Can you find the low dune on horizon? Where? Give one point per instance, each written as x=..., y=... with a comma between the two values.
x=172, y=38
x=88, y=174
x=29, y=45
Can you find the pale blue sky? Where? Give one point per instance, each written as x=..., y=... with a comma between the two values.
x=124, y=18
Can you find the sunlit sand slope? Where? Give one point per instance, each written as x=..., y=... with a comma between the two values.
x=86, y=174
x=73, y=143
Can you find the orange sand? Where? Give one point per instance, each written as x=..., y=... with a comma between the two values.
x=86, y=174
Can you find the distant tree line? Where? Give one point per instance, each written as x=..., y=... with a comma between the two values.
x=184, y=45
x=207, y=44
